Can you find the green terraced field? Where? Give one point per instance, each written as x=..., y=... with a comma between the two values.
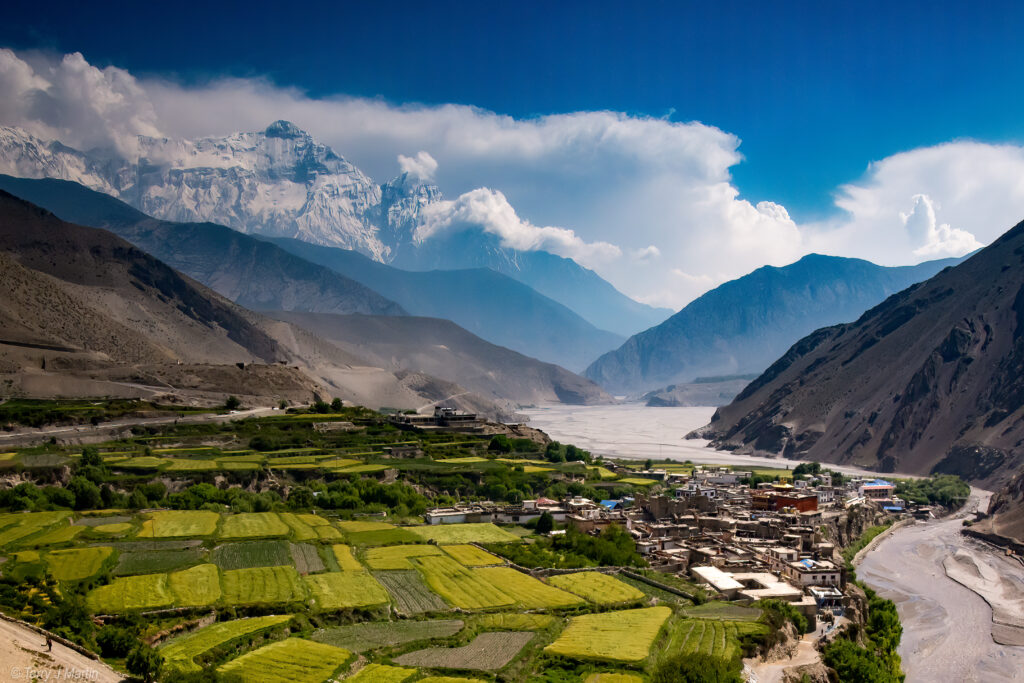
x=146, y=591
x=263, y=585
x=288, y=661
x=410, y=592
x=528, y=592
x=195, y=587
x=397, y=556
x=345, y=590
x=76, y=564
x=155, y=561
x=249, y=554
x=346, y=561
x=392, y=536
x=471, y=556
x=463, y=533
x=624, y=636
x=598, y=588
x=181, y=652
x=179, y=524
x=382, y=673
x=461, y=587
x=253, y=525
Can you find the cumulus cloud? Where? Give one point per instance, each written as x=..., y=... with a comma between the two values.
x=488, y=209
x=421, y=167
x=639, y=199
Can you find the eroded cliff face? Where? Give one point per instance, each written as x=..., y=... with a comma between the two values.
x=931, y=380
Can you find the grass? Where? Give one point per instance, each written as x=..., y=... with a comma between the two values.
x=346, y=560
x=253, y=525
x=263, y=585
x=249, y=554
x=191, y=465
x=76, y=564
x=146, y=591
x=716, y=609
x=62, y=534
x=360, y=469
x=180, y=653
x=528, y=592
x=463, y=533
x=293, y=660
x=345, y=590
x=461, y=587
x=613, y=678
x=302, y=526
x=398, y=556
x=471, y=556
x=623, y=636
x=449, y=679
x=381, y=673
x=117, y=529
x=358, y=526
x=598, y=588
x=410, y=592
x=179, y=523
x=709, y=636
x=372, y=635
x=18, y=525
x=195, y=587
x=486, y=652
x=637, y=481
x=152, y=562
x=145, y=462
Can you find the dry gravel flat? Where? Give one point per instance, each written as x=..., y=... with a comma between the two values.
x=947, y=628
x=23, y=657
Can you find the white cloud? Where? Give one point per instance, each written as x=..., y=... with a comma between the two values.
x=489, y=210
x=422, y=167
x=638, y=199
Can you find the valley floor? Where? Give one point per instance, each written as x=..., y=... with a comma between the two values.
x=947, y=628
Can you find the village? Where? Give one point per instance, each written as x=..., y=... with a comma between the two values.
x=779, y=540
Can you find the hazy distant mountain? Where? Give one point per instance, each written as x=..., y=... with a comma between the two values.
x=488, y=304
x=930, y=380
x=280, y=182
x=558, y=278
x=443, y=349
x=742, y=326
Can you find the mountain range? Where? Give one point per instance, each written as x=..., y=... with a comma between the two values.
x=280, y=182
x=743, y=325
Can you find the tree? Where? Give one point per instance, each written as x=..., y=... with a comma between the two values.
x=648, y=464
x=145, y=663
x=115, y=641
x=500, y=444
x=138, y=500
x=232, y=403
x=545, y=523
x=337, y=405
x=300, y=498
x=695, y=668
x=87, y=494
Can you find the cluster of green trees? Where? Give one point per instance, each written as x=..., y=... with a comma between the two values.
x=940, y=489
x=613, y=547
x=877, y=661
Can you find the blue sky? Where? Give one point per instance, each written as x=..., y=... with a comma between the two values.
x=814, y=90
x=667, y=146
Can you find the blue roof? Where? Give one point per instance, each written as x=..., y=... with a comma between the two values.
x=878, y=482
x=894, y=508
x=609, y=503
x=807, y=563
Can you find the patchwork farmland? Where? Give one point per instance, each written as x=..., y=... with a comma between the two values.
x=323, y=570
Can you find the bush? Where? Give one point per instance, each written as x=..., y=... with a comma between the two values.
x=697, y=668
x=232, y=403
x=115, y=641
x=145, y=663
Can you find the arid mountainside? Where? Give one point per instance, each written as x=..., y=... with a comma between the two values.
x=443, y=349
x=930, y=380
x=85, y=313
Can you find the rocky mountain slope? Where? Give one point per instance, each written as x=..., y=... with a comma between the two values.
x=443, y=349
x=488, y=304
x=931, y=380
x=741, y=326
x=280, y=182
x=85, y=313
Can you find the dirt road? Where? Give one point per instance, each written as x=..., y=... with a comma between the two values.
x=23, y=657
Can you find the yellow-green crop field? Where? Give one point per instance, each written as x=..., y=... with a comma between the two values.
x=128, y=593
x=346, y=560
x=360, y=469
x=460, y=587
x=180, y=653
x=382, y=673
x=191, y=465
x=598, y=588
x=513, y=621
x=56, y=536
x=179, y=524
x=445, y=534
x=613, y=678
x=623, y=636
x=292, y=660
x=117, y=529
x=195, y=587
x=637, y=481
x=263, y=585
x=15, y=526
x=303, y=527
x=75, y=564
x=398, y=556
x=471, y=556
x=253, y=525
x=449, y=679
x=344, y=590
x=528, y=592
x=358, y=526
